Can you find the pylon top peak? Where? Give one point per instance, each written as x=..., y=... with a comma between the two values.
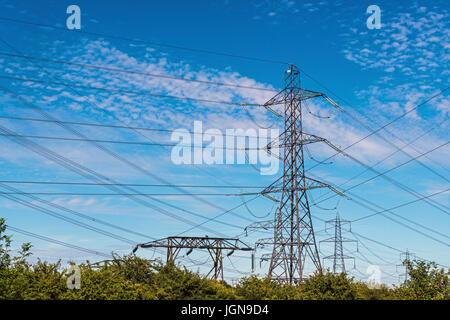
x=293, y=69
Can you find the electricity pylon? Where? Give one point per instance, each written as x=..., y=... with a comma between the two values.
x=214, y=246
x=294, y=242
x=338, y=256
x=406, y=257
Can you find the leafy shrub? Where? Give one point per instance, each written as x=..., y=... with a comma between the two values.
x=133, y=278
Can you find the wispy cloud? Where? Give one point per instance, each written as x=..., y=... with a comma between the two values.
x=414, y=44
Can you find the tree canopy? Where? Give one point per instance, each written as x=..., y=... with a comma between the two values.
x=130, y=278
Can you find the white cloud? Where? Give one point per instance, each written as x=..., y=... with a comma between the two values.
x=411, y=45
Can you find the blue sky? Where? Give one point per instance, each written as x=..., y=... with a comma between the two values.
x=375, y=75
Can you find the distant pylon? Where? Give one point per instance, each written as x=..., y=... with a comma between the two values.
x=338, y=256
x=405, y=256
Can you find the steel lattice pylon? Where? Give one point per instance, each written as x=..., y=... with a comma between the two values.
x=294, y=241
x=338, y=259
x=338, y=256
x=406, y=257
x=214, y=246
x=294, y=238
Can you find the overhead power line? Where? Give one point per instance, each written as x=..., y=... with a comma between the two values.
x=114, y=69
x=115, y=117
x=132, y=92
x=399, y=184
x=384, y=159
x=73, y=212
x=90, y=251
x=409, y=220
x=100, y=125
x=66, y=219
x=166, y=203
x=149, y=144
x=127, y=194
x=214, y=218
x=369, y=205
x=68, y=245
x=113, y=154
x=405, y=225
x=392, y=248
x=389, y=179
x=96, y=177
x=128, y=184
x=176, y=47
x=159, y=44
x=393, y=168
x=371, y=251
x=370, y=129
x=111, y=114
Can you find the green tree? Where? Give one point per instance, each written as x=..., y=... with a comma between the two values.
x=6, y=260
x=328, y=286
x=425, y=281
x=364, y=292
x=254, y=288
x=131, y=278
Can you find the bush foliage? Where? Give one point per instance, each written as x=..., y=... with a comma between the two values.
x=130, y=277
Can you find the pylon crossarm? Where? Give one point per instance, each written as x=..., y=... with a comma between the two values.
x=312, y=94
x=270, y=145
x=279, y=98
x=313, y=140
x=267, y=148
x=337, y=192
x=268, y=190
x=330, y=101
x=320, y=139
x=311, y=187
x=304, y=142
x=328, y=240
x=324, y=185
x=307, y=139
x=245, y=246
x=261, y=225
x=261, y=105
x=307, y=94
x=261, y=243
x=271, y=198
x=342, y=256
x=196, y=243
x=332, y=146
x=265, y=192
x=273, y=111
x=266, y=257
x=152, y=244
